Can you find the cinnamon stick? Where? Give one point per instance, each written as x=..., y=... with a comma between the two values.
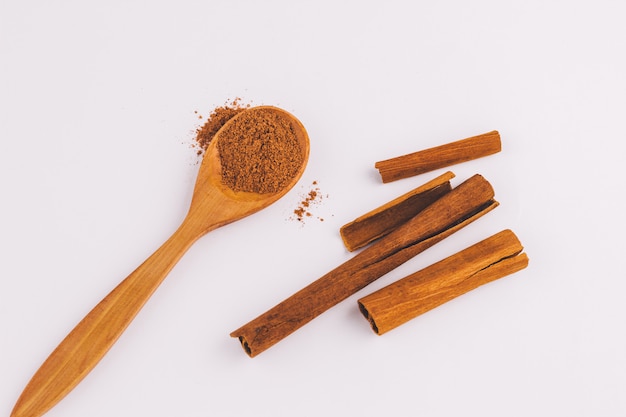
x=461, y=206
x=439, y=157
x=382, y=220
x=486, y=261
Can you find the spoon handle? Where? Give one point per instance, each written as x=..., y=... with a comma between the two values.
x=90, y=340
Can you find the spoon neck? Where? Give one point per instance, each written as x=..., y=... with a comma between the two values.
x=184, y=236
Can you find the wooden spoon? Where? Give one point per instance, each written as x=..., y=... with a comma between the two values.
x=213, y=205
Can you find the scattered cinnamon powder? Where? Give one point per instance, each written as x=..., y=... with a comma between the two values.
x=259, y=152
x=313, y=197
x=216, y=119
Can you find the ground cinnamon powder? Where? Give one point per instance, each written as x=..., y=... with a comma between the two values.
x=259, y=152
x=216, y=119
x=303, y=210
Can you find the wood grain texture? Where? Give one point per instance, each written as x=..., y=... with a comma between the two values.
x=89, y=341
x=213, y=205
x=405, y=299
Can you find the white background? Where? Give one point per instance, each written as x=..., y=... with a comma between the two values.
x=97, y=117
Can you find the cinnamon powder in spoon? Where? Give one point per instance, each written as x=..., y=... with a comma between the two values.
x=259, y=152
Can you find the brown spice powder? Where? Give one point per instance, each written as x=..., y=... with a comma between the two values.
x=259, y=152
x=216, y=119
x=303, y=211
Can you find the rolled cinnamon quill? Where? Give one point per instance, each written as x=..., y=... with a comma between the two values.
x=486, y=261
x=439, y=157
x=382, y=220
x=454, y=210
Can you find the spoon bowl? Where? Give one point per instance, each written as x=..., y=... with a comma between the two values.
x=216, y=204
x=213, y=205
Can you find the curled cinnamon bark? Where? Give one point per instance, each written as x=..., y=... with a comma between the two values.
x=454, y=210
x=483, y=262
x=382, y=220
x=439, y=157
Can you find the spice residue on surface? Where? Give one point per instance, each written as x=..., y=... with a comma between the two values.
x=216, y=119
x=259, y=152
x=307, y=202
